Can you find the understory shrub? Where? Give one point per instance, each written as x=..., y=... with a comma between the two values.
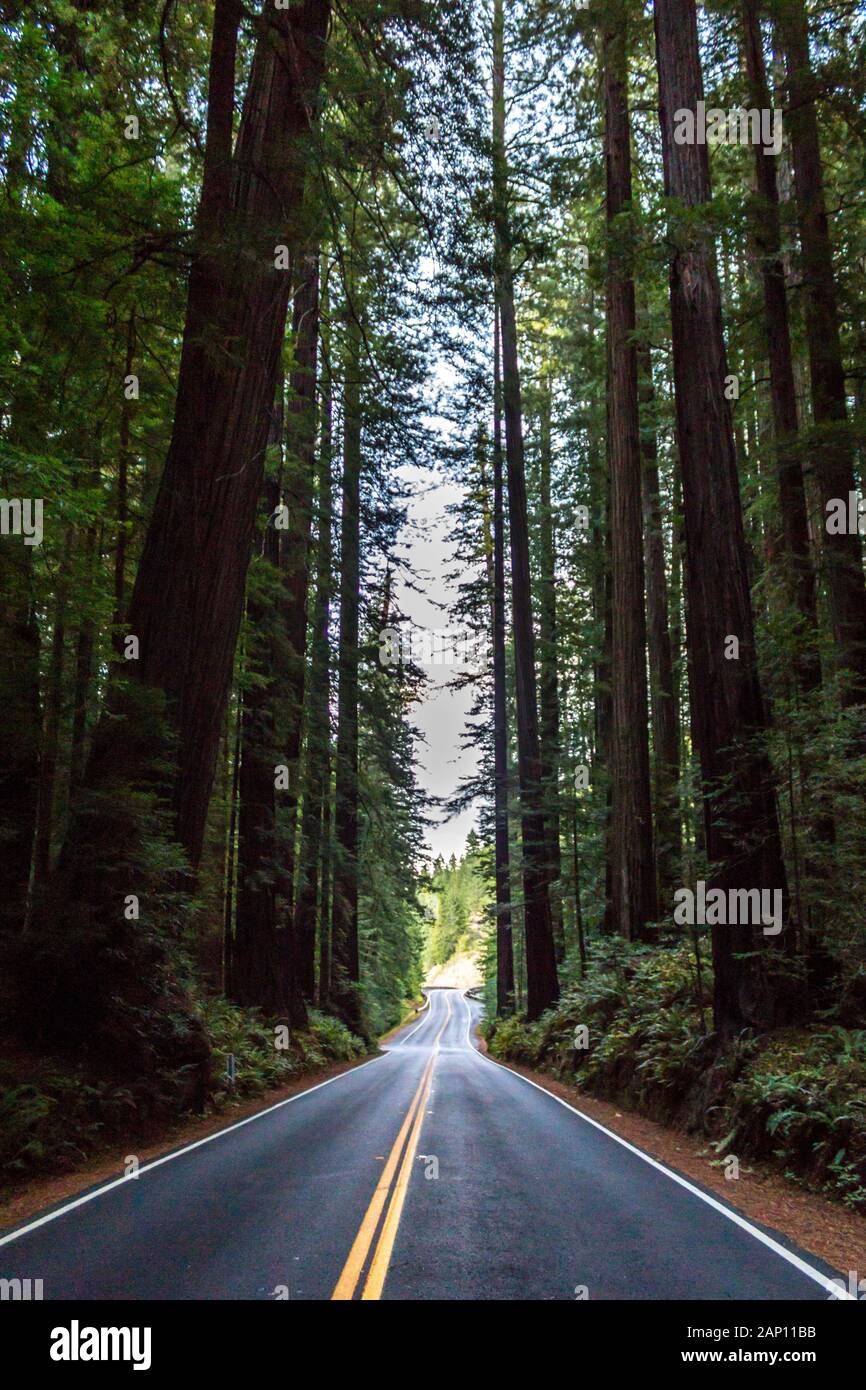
x=54, y=1113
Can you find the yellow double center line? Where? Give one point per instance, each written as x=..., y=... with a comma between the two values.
x=411, y=1126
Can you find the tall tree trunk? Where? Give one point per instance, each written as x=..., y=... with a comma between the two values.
x=766, y=234
x=295, y=559
x=548, y=679
x=542, y=986
x=602, y=691
x=832, y=448
x=123, y=460
x=259, y=975
x=345, y=953
x=326, y=895
x=728, y=721
x=633, y=868
x=665, y=705
x=20, y=745
x=504, y=944
x=188, y=596
x=317, y=769
x=231, y=853
x=84, y=648
x=44, y=834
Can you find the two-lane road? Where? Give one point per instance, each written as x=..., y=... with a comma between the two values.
x=428, y=1173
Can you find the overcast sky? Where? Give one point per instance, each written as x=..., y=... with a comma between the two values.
x=440, y=717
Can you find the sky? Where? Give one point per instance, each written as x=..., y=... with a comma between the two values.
x=441, y=714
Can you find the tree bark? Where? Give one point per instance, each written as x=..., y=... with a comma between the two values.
x=797, y=568
x=44, y=833
x=20, y=746
x=295, y=560
x=542, y=986
x=123, y=460
x=633, y=868
x=727, y=711
x=504, y=944
x=664, y=703
x=345, y=953
x=188, y=596
x=260, y=977
x=317, y=773
x=548, y=679
x=831, y=445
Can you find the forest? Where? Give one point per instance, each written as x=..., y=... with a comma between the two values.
x=271, y=274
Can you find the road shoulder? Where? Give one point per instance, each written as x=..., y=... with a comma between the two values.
x=763, y=1196
x=42, y=1193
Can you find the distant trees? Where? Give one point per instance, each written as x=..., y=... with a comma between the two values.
x=458, y=897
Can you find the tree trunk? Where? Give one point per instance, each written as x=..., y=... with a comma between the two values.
x=542, y=986
x=20, y=746
x=231, y=855
x=42, y=840
x=548, y=680
x=504, y=944
x=727, y=711
x=259, y=975
x=665, y=706
x=326, y=896
x=831, y=446
x=84, y=648
x=345, y=955
x=188, y=596
x=602, y=691
x=317, y=775
x=766, y=234
x=123, y=459
x=295, y=559
x=633, y=868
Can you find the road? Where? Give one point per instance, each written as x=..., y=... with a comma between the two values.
x=428, y=1173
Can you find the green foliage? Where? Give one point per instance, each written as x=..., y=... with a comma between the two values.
x=259, y=1063
x=455, y=903
x=803, y=1102
x=53, y=1119
x=54, y=1116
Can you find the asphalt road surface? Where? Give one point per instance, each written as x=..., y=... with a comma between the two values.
x=428, y=1173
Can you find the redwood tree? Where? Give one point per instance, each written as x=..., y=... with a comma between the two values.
x=727, y=710
x=631, y=847
x=504, y=941
x=831, y=444
x=542, y=986
x=797, y=570
x=186, y=604
x=345, y=953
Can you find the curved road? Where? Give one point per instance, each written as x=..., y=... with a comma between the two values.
x=428, y=1173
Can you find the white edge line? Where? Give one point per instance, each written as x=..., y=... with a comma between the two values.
x=177, y=1153
x=426, y=1005
x=838, y=1292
